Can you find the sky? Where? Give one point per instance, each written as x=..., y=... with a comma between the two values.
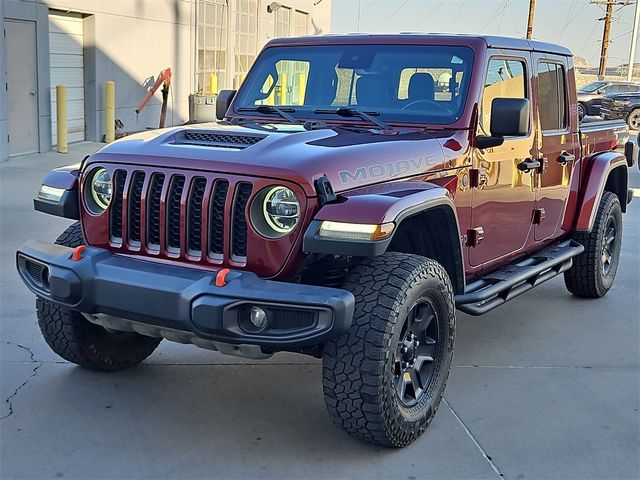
x=573, y=23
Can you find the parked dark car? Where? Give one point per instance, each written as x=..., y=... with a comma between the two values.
x=621, y=105
x=590, y=96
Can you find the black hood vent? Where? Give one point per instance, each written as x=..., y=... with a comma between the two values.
x=216, y=139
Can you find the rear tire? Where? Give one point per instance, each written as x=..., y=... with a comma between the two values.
x=633, y=120
x=74, y=338
x=594, y=270
x=383, y=380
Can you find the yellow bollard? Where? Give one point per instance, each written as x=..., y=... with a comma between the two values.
x=282, y=94
x=271, y=97
x=213, y=84
x=302, y=87
x=109, y=111
x=61, y=118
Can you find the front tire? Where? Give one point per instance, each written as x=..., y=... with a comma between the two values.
x=594, y=270
x=74, y=338
x=582, y=111
x=383, y=380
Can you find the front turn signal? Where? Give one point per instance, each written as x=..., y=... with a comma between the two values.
x=355, y=231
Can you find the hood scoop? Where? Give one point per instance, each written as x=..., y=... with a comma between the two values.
x=216, y=139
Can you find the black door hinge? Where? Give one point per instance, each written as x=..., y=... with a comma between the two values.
x=477, y=177
x=538, y=216
x=475, y=236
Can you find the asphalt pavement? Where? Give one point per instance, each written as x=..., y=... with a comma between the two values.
x=545, y=387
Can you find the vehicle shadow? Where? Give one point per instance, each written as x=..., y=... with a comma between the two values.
x=191, y=410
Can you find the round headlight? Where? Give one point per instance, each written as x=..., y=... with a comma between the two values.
x=101, y=188
x=275, y=211
x=281, y=209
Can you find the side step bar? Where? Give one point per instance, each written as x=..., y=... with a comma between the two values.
x=508, y=282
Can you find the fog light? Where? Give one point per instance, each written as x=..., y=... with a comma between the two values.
x=258, y=317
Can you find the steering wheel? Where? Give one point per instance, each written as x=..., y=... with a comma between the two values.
x=439, y=107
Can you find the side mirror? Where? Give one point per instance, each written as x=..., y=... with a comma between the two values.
x=510, y=117
x=223, y=102
x=484, y=141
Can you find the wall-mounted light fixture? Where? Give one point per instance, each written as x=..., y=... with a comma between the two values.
x=273, y=6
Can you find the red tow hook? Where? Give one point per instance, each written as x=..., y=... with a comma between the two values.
x=77, y=253
x=221, y=277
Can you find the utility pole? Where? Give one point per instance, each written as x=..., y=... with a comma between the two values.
x=532, y=11
x=634, y=40
x=605, y=38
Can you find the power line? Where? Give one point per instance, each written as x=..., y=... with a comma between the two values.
x=565, y=27
x=395, y=12
x=598, y=41
x=458, y=14
x=562, y=30
x=430, y=13
x=504, y=12
x=491, y=17
x=588, y=36
x=369, y=7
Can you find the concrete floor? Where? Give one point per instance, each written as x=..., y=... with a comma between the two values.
x=546, y=386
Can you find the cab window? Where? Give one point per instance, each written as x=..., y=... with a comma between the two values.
x=505, y=79
x=551, y=96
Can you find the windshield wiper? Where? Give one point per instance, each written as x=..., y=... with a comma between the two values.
x=354, y=112
x=271, y=109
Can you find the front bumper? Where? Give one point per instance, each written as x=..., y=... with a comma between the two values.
x=609, y=114
x=180, y=299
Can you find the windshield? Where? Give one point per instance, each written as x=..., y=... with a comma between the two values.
x=396, y=83
x=591, y=87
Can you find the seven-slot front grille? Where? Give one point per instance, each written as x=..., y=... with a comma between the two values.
x=181, y=214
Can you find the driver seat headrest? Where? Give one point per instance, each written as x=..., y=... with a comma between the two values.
x=421, y=87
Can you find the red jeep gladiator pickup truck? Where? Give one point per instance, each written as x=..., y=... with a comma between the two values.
x=357, y=190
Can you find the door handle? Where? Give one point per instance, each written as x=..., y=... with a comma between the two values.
x=32, y=92
x=566, y=157
x=528, y=165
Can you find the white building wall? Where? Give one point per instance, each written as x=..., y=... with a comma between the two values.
x=4, y=127
x=130, y=42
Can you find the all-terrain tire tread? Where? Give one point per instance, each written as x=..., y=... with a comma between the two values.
x=71, y=336
x=354, y=363
x=583, y=278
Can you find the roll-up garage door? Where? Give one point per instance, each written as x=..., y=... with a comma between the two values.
x=67, y=68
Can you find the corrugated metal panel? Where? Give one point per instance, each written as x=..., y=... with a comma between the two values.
x=67, y=68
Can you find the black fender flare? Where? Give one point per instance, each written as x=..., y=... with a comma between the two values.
x=63, y=178
x=381, y=204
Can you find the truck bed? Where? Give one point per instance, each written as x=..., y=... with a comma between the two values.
x=600, y=135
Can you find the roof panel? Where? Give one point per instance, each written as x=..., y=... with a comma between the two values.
x=492, y=41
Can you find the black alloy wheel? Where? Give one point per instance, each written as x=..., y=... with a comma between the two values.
x=416, y=353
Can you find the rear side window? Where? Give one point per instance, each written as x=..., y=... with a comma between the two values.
x=505, y=79
x=551, y=96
